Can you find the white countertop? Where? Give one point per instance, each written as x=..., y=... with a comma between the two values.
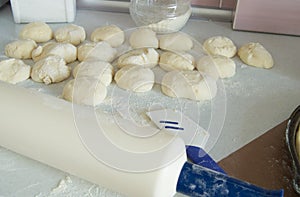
x=257, y=100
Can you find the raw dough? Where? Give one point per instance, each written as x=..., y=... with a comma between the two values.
x=97, y=69
x=14, y=71
x=51, y=69
x=254, y=54
x=84, y=90
x=37, y=31
x=110, y=33
x=219, y=45
x=143, y=38
x=176, y=61
x=73, y=34
x=189, y=84
x=176, y=42
x=147, y=57
x=64, y=50
x=135, y=78
x=217, y=66
x=93, y=51
x=20, y=49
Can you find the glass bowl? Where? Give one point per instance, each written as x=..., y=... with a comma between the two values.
x=162, y=16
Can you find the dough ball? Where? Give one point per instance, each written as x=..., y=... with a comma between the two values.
x=175, y=42
x=93, y=51
x=135, y=78
x=20, y=49
x=73, y=34
x=51, y=69
x=143, y=38
x=96, y=69
x=176, y=61
x=85, y=91
x=65, y=50
x=37, y=31
x=217, y=66
x=254, y=54
x=189, y=84
x=14, y=71
x=110, y=33
x=147, y=57
x=219, y=45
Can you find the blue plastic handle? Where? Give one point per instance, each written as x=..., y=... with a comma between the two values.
x=195, y=180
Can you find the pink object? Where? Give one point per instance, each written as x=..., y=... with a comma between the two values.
x=271, y=16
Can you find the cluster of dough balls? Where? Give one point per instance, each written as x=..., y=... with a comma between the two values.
x=221, y=49
x=50, y=56
x=171, y=53
x=53, y=51
x=185, y=77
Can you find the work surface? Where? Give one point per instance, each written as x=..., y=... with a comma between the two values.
x=256, y=100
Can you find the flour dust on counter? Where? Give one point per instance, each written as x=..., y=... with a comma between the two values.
x=248, y=94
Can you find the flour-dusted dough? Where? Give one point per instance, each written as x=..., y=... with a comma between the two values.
x=85, y=91
x=220, y=45
x=51, y=69
x=217, y=66
x=176, y=61
x=143, y=38
x=110, y=33
x=65, y=50
x=135, y=78
x=37, y=31
x=189, y=84
x=96, y=69
x=71, y=33
x=147, y=57
x=176, y=42
x=20, y=49
x=14, y=71
x=93, y=51
x=254, y=54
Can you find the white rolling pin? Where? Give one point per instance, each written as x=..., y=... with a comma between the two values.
x=42, y=127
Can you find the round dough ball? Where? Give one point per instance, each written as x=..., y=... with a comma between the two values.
x=219, y=45
x=85, y=91
x=94, y=51
x=73, y=34
x=254, y=54
x=110, y=33
x=51, y=69
x=20, y=49
x=189, y=84
x=143, y=38
x=176, y=61
x=176, y=42
x=14, y=71
x=37, y=31
x=217, y=66
x=135, y=78
x=147, y=57
x=97, y=69
x=65, y=50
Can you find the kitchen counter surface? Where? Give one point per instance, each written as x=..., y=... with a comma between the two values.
x=256, y=100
